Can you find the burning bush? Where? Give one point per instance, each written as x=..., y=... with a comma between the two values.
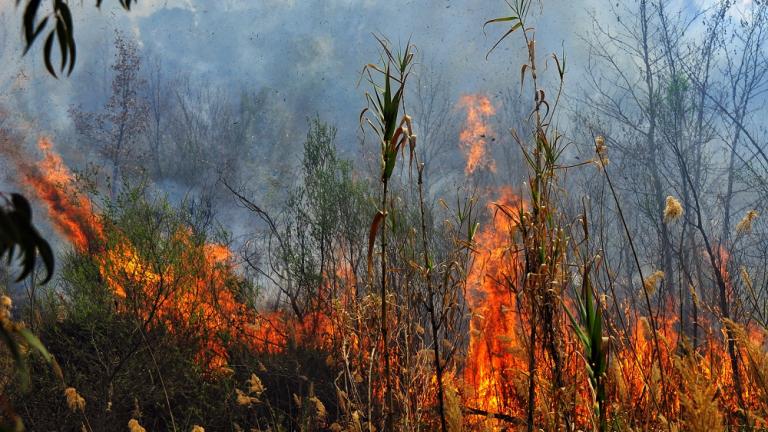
x=515, y=318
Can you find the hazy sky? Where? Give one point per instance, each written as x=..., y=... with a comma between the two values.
x=309, y=51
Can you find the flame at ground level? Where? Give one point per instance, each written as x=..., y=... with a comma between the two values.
x=496, y=374
x=495, y=352
x=194, y=296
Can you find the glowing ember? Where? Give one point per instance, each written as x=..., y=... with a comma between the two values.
x=475, y=133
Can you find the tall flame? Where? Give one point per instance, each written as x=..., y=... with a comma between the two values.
x=475, y=133
x=50, y=179
x=203, y=306
x=191, y=296
x=495, y=351
x=496, y=369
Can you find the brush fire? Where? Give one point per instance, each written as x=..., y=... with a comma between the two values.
x=462, y=279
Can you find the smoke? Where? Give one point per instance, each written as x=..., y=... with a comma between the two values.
x=309, y=52
x=305, y=55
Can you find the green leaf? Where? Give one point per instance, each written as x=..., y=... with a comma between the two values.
x=28, y=22
x=560, y=65
x=36, y=33
x=61, y=35
x=473, y=231
x=597, y=330
x=498, y=20
x=47, y=54
x=66, y=16
x=509, y=32
x=577, y=328
x=17, y=231
x=35, y=343
x=47, y=255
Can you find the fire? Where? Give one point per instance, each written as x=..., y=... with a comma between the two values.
x=495, y=353
x=495, y=371
x=192, y=295
x=641, y=381
x=475, y=133
x=50, y=179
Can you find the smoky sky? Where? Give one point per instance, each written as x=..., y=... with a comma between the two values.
x=308, y=53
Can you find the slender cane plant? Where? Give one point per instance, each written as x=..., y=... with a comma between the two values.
x=543, y=241
x=385, y=115
x=588, y=326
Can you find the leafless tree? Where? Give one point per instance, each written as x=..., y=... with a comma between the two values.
x=679, y=109
x=119, y=129
x=435, y=124
x=625, y=83
x=159, y=98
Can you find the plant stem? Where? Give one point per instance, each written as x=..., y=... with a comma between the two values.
x=432, y=316
x=387, y=379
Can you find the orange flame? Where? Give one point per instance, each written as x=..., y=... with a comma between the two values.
x=71, y=213
x=203, y=306
x=192, y=296
x=496, y=367
x=495, y=351
x=476, y=131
